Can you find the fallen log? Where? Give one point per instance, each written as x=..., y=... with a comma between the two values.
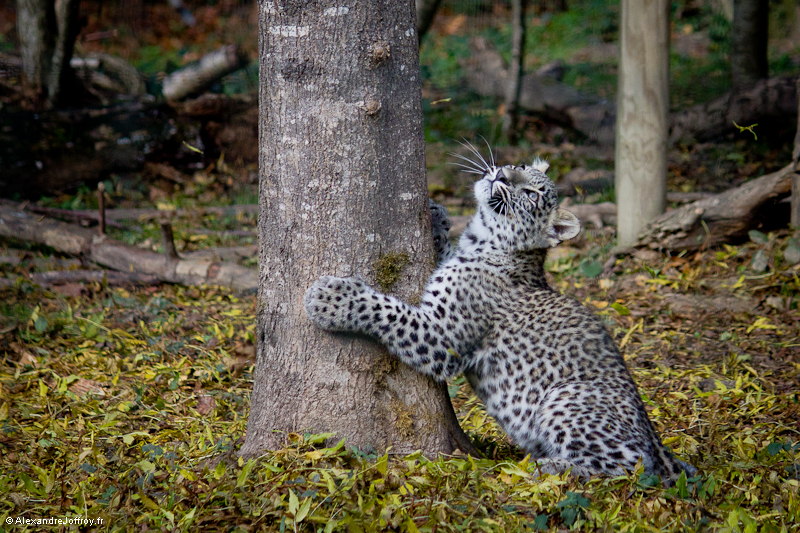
x=196, y=77
x=62, y=277
x=16, y=223
x=725, y=217
x=142, y=214
x=542, y=95
x=547, y=98
x=773, y=98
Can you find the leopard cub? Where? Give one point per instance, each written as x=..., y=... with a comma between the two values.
x=544, y=366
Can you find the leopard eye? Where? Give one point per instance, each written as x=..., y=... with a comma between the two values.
x=533, y=196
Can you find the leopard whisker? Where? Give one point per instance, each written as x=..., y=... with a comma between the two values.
x=475, y=151
x=491, y=154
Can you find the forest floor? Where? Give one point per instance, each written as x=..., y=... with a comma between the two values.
x=129, y=404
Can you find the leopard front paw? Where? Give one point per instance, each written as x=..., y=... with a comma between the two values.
x=329, y=301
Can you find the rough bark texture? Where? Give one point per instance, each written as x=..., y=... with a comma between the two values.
x=342, y=192
x=642, y=107
x=35, y=24
x=724, y=217
x=47, y=31
x=749, y=42
x=514, y=83
x=16, y=223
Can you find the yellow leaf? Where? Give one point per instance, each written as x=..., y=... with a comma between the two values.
x=314, y=455
x=219, y=471
x=382, y=463
x=148, y=502
x=760, y=323
x=294, y=503
x=411, y=527
x=630, y=332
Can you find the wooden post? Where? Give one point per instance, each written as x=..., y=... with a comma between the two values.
x=642, y=106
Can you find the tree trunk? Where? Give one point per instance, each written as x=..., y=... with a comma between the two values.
x=342, y=192
x=35, y=27
x=514, y=83
x=749, y=36
x=47, y=30
x=426, y=11
x=642, y=106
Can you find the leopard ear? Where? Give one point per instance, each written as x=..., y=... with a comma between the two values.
x=565, y=226
x=540, y=164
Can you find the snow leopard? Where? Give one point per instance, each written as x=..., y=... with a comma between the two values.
x=542, y=364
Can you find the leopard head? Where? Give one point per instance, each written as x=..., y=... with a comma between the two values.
x=518, y=208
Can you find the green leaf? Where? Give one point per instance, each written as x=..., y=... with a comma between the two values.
x=320, y=437
x=758, y=237
x=294, y=503
x=41, y=325
x=303, y=511
x=540, y=522
x=680, y=484
x=621, y=309
x=591, y=269
x=774, y=448
x=760, y=261
x=569, y=514
x=30, y=486
x=792, y=252
x=245, y=473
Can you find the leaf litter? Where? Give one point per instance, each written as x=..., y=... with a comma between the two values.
x=130, y=406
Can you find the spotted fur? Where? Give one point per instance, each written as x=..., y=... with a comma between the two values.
x=544, y=366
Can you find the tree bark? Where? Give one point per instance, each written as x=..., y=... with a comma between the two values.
x=514, y=83
x=342, y=192
x=35, y=25
x=642, y=106
x=47, y=30
x=749, y=36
